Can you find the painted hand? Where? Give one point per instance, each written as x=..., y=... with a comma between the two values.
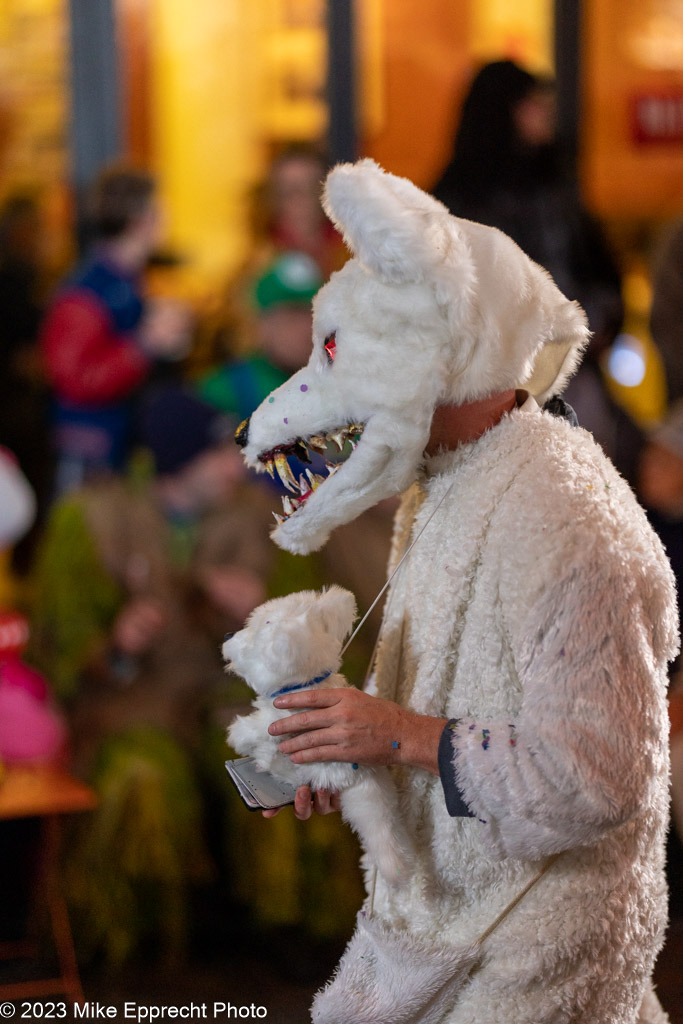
x=352, y=726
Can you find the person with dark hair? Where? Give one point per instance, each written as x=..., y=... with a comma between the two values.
x=489, y=155
x=101, y=337
x=288, y=212
x=117, y=198
x=506, y=170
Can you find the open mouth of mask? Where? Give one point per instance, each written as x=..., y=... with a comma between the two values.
x=327, y=451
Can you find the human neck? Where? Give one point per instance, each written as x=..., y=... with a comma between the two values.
x=127, y=252
x=453, y=425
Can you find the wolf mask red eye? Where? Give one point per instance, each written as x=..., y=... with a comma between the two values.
x=330, y=346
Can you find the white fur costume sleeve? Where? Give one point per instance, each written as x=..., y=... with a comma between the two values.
x=583, y=753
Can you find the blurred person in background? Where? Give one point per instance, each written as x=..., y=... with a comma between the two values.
x=286, y=217
x=31, y=729
x=666, y=314
x=284, y=884
x=278, y=340
x=507, y=171
x=299, y=888
x=288, y=214
x=23, y=389
x=136, y=582
x=660, y=484
x=100, y=338
x=281, y=296
x=660, y=488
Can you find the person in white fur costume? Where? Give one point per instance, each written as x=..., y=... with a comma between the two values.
x=520, y=682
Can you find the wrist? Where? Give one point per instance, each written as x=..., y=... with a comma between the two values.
x=419, y=741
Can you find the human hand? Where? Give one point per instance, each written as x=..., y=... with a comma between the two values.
x=138, y=625
x=166, y=329
x=306, y=803
x=349, y=725
x=234, y=590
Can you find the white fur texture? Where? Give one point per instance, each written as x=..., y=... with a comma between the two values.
x=538, y=597
x=431, y=310
x=291, y=640
x=388, y=976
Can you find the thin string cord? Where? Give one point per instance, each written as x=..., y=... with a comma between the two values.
x=517, y=899
x=407, y=552
x=397, y=676
x=373, y=884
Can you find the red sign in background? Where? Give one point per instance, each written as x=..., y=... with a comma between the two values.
x=657, y=118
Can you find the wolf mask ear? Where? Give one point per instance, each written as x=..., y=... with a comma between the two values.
x=394, y=229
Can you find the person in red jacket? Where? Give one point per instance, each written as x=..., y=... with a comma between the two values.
x=100, y=337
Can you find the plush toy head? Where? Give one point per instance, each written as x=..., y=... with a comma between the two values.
x=291, y=639
x=431, y=310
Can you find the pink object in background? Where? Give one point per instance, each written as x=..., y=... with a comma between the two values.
x=30, y=728
x=23, y=677
x=13, y=634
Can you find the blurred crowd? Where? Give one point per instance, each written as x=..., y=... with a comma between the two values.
x=135, y=538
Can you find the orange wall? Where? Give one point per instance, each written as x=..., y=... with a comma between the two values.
x=631, y=48
x=425, y=66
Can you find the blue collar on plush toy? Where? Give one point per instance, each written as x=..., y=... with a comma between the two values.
x=301, y=686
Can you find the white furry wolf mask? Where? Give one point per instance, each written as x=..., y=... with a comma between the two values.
x=431, y=310
x=292, y=643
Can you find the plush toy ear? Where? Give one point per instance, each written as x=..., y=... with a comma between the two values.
x=336, y=609
x=396, y=230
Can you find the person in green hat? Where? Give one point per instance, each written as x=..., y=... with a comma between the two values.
x=281, y=304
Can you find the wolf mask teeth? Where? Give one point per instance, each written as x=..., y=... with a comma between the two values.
x=285, y=473
x=306, y=485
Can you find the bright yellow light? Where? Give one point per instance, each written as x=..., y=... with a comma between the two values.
x=522, y=31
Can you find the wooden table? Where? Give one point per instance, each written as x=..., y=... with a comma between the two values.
x=45, y=792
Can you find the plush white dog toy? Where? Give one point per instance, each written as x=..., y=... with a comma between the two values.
x=292, y=643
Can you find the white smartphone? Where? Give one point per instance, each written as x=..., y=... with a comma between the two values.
x=259, y=790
